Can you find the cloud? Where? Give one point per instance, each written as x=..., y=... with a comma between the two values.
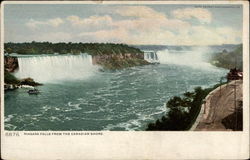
x=145, y=18
x=55, y=22
x=203, y=15
x=90, y=21
x=195, y=35
x=138, y=25
x=204, y=35
x=139, y=11
x=146, y=27
x=145, y=24
x=33, y=24
x=116, y=35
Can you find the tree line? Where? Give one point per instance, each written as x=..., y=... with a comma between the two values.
x=34, y=48
x=182, y=111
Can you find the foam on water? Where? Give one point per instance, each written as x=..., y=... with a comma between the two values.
x=136, y=124
x=9, y=117
x=73, y=107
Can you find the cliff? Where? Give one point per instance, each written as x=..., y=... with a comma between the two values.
x=11, y=82
x=109, y=55
x=10, y=63
x=119, y=61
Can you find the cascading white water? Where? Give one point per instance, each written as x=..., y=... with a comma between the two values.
x=56, y=68
x=192, y=58
x=151, y=56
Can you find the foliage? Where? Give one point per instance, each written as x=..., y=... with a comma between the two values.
x=10, y=79
x=183, y=111
x=34, y=48
x=229, y=60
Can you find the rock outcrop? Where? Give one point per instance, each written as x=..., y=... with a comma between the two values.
x=99, y=59
x=29, y=81
x=119, y=61
x=10, y=63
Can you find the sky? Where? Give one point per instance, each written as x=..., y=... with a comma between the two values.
x=150, y=24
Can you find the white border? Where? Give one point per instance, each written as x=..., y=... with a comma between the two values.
x=140, y=144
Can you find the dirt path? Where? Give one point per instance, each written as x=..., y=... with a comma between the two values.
x=219, y=104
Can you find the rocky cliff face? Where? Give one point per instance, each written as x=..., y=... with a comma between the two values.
x=29, y=81
x=10, y=63
x=112, y=61
x=119, y=61
x=100, y=59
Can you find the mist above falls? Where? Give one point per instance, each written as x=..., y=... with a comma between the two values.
x=196, y=57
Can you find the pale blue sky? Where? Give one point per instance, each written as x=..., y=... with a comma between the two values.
x=163, y=24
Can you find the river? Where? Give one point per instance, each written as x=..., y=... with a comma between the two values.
x=77, y=96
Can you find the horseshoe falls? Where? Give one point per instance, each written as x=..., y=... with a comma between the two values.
x=196, y=58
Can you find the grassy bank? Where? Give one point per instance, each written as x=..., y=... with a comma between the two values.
x=10, y=79
x=183, y=111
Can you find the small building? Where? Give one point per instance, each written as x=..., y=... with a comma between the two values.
x=234, y=74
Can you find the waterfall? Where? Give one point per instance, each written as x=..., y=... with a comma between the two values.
x=55, y=68
x=192, y=58
x=151, y=56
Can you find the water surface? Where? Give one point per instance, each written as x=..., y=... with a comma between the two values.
x=121, y=100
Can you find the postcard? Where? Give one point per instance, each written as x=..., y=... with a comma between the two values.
x=125, y=80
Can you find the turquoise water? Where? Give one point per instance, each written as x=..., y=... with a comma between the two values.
x=121, y=100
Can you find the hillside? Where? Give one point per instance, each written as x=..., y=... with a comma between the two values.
x=229, y=60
